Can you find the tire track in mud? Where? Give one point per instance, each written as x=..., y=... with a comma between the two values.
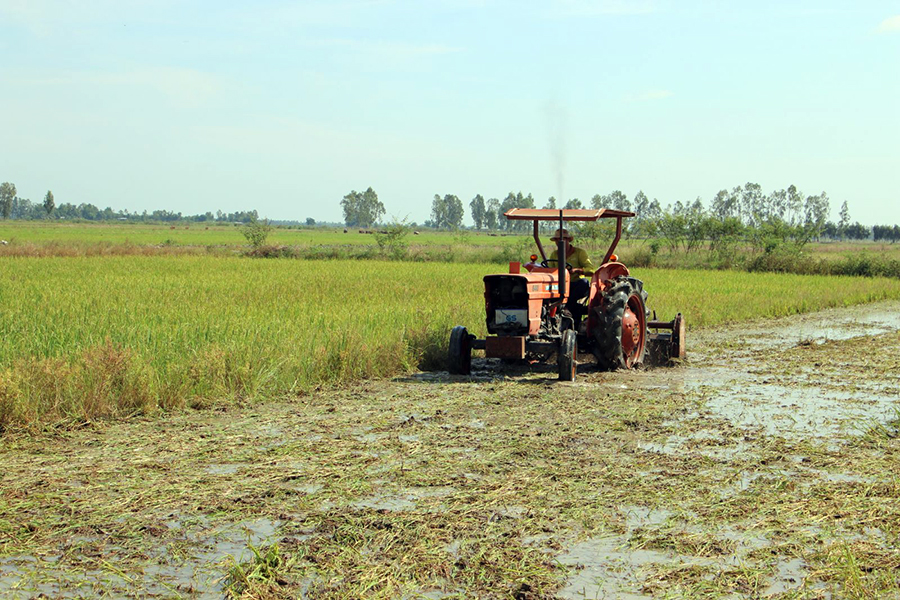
x=764, y=467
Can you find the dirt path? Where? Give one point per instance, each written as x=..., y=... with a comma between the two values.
x=769, y=466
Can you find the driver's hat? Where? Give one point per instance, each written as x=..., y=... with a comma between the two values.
x=563, y=234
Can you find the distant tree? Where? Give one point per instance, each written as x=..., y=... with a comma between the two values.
x=794, y=205
x=640, y=205
x=477, y=210
x=89, y=211
x=886, y=232
x=508, y=204
x=752, y=203
x=455, y=211
x=310, y=221
x=858, y=231
x=522, y=201
x=438, y=211
x=672, y=226
x=447, y=212
x=350, y=205
x=362, y=209
x=7, y=195
x=574, y=203
x=491, y=212
x=776, y=205
x=619, y=201
x=241, y=216
x=815, y=215
x=373, y=209
x=696, y=225
x=49, y=203
x=722, y=206
x=24, y=209
x=844, y=221
x=551, y=203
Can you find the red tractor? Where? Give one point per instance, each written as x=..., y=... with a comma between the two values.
x=528, y=317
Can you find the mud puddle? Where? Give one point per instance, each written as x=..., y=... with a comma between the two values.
x=192, y=563
x=737, y=371
x=834, y=324
x=617, y=566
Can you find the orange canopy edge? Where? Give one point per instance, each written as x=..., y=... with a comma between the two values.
x=569, y=214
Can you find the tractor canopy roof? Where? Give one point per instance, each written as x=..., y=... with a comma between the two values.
x=568, y=214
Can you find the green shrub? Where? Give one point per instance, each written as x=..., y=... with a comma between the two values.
x=257, y=232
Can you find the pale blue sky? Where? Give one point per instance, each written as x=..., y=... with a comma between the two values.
x=287, y=106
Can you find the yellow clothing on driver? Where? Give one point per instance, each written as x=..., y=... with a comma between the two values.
x=578, y=259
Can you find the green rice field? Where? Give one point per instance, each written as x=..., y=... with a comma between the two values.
x=88, y=337
x=49, y=235
x=216, y=234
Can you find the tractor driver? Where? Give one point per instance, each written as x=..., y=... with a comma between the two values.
x=581, y=264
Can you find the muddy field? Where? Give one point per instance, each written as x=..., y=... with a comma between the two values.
x=767, y=466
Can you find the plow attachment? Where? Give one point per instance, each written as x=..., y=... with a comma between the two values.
x=665, y=344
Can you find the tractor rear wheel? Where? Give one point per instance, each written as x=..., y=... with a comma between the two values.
x=459, y=354
x=567, y=356
x=621, y=334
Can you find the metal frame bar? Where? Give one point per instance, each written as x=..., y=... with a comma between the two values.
x=615, y=241
x=537, y=239
x=530, y=345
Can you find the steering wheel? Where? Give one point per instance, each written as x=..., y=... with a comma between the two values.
x=545, y=264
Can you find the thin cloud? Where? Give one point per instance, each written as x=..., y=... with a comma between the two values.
x=594, y=8
x=46, y=17
x=889, y=25
x=652, y=95
x=302, y=14
x=185, y=86
x=395, y=49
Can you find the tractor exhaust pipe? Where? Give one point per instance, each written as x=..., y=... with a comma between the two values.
x=561, y=261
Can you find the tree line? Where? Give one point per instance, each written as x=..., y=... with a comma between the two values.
x=886, y=232
x=14, y=207
x=11, y=206
x=742, y=212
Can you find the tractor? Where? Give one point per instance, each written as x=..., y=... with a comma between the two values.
x=527, y=314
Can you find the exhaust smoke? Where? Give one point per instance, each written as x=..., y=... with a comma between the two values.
x=557, y=118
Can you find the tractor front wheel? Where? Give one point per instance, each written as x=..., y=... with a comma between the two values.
x=459, y=355
x=567, y=356
x=621, y=334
